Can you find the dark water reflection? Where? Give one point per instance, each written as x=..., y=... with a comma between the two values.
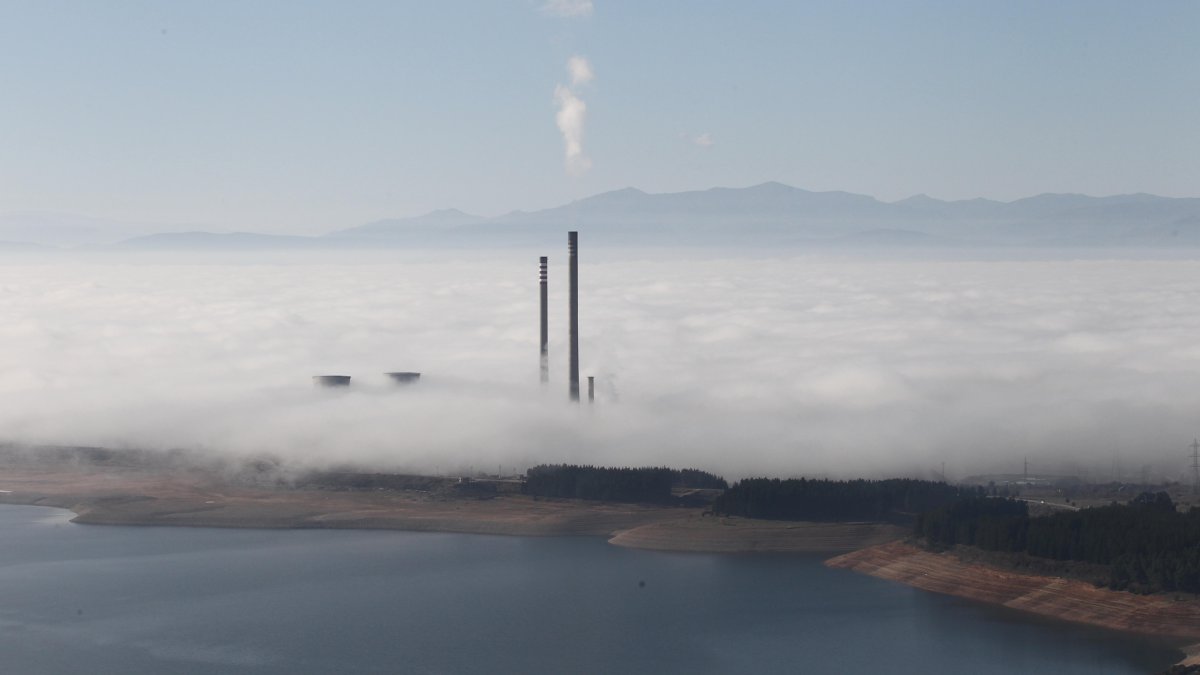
x=80, y=599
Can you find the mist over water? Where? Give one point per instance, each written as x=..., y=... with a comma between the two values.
x=743, y=365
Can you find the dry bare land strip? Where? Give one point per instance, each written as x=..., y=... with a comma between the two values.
x=135, y=498
x=706, y=534
x=1165, y=615
x=119, y=496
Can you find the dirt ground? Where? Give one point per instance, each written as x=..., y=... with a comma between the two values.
x=1164, y=615
x=128, y=496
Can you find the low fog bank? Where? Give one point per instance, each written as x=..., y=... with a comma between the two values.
x=741, y=365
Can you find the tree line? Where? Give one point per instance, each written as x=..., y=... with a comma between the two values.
x=1147, y=544
x=895, y=499
x=623, y=484
x=695, y=478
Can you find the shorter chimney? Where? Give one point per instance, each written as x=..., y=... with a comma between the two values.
x=545, y=324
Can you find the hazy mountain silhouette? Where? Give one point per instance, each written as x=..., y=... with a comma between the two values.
x=67, y=230
x=770, y=214
x=773, y=213
x=393, y=227
x=217, y=241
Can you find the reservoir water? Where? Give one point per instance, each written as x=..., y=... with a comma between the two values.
x=128, y=600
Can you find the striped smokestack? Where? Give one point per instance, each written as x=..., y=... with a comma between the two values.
x=542, y=279
x=573, y=263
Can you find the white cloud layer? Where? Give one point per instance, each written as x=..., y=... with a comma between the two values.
x=775, y=366
x=568, y=8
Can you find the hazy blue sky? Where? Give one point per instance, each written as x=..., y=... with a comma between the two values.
x=312, y=116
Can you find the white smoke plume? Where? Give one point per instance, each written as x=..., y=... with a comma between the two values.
x=572, y=113
x=568, y=8
x=580, y=70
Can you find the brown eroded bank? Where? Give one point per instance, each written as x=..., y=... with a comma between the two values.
x=1163, y=615
x=705, y=534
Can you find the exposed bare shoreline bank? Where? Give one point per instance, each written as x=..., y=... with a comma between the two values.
x=131, y=498
x=739, y=535
x=1160, y=615
x=193, y=500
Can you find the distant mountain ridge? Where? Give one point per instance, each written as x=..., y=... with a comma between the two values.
x=69, y=230
x=235, y=241
x=442, y=218
x=768, y=214
x=776, y=213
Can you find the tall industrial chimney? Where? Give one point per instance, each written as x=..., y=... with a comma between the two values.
x=545, y=351
x=573, y=262
x=591, y=389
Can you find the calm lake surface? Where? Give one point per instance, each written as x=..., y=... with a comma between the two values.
x=128, y=600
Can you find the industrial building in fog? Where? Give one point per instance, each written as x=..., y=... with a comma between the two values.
x=412, y=377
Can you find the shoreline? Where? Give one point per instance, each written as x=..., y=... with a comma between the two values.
x=126, y=497
x=1159, y=615
x=136, y=498
x=711, y=534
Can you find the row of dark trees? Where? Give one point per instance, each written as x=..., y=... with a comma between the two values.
x=894, y=500
x=646, y=484
x=1147, y=544
x=695, y=478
